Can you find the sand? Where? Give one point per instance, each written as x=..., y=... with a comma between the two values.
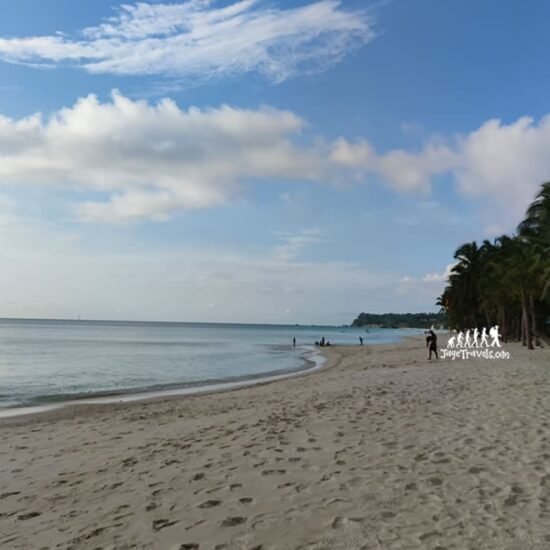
x=380, y=450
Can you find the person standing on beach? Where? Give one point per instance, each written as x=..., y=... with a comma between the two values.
x=431, y=344
x=294, y=342
x=361, y=340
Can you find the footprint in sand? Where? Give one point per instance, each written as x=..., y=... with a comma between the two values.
x=246, y=500
x=429, y=534
x=28, y=515
x=348, y=533
x=159, y=524
x=9, y=494
x=512, y=499
x=232, y=521
x=210, y=504
x=435, y=481
x=129, y=462
x=330, y=475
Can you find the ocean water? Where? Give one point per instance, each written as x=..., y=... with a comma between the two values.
x=45, y=362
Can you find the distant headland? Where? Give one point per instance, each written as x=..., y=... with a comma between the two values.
x=400, y=320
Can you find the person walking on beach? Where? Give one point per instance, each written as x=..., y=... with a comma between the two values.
x=361, y=340
x=294, y=342
x=431, y=344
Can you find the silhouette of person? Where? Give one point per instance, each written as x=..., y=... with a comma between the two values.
x=495, y=336
x=484, y=340
x=451, y=342
x=294, y=342
x=475, y=339
x=322, y=343
x=361, y=340
x=459, y=339
x=467, y=339
x=431, y=344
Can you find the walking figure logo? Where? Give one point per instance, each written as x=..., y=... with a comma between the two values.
x=475, y=344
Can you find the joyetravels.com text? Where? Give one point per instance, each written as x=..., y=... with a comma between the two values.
x=474, y=354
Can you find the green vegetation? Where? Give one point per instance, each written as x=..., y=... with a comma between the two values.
x=505, y=282
x=400, y=320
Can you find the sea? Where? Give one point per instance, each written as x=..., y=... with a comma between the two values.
x=48, y=363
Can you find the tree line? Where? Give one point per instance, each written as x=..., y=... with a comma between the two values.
x=505, y=282
x=400, y=320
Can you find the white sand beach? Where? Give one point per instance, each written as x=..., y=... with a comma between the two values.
x=380, y=450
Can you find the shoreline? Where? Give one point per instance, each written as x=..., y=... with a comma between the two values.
x=313, y=362
x=32, y=396
x=379, y=449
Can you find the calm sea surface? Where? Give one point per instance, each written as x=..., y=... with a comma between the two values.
x=53, y=361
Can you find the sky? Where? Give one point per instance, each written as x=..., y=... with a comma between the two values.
x=264, y=161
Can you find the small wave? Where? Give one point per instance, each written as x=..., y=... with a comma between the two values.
x=310, y=361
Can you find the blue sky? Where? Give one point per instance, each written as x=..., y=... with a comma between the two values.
x=316, y=158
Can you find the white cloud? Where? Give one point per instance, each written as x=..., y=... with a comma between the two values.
x=438, y=277
x=499, y=167
x=197, y=39
x=421, y=292
x=502, y=168
x=150, y=161
x=293, y=245
x=429, y=280
x=153, y=160
x=7, y=212
x=404, y=170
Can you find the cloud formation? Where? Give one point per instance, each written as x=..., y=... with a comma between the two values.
x=197, y=39
x=439, y=277
x=293, y=244
x=499, y=166
x=150, y=161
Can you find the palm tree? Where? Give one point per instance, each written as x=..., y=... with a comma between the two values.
x=536, y=224
x=464, y=277
x=535, y=231
x=505, y=282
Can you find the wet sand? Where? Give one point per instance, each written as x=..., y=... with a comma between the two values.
x=381, y=450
